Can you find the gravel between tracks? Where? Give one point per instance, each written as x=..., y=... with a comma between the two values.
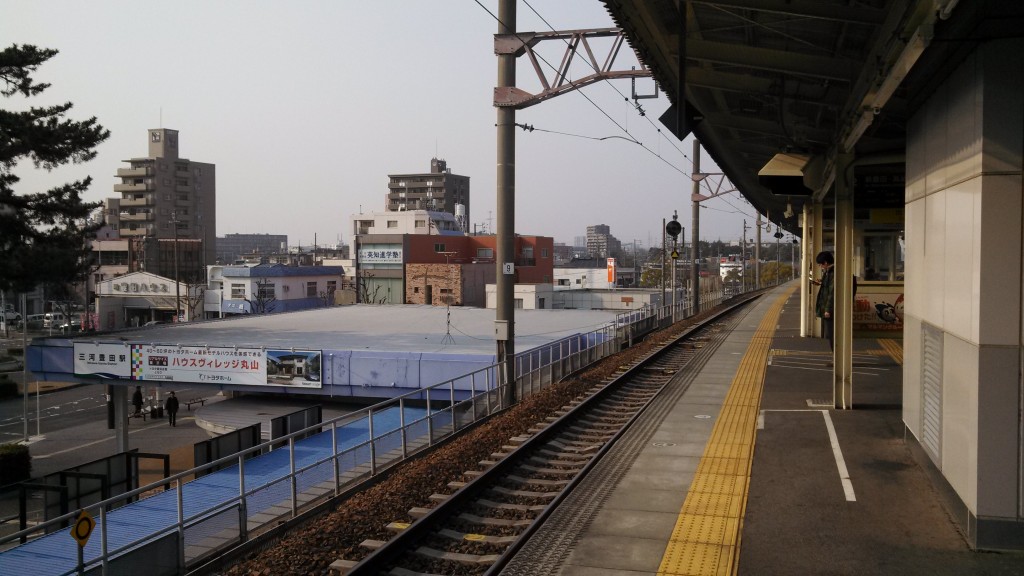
x=311, y=548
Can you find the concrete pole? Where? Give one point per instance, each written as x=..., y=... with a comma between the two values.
x=843, y=358
x=664, y=235
x=120, y=398
x=817, y=245
x=805, y=280
x=757, y=253
x=743, y=259
x=24, y=362
x=695, y=235
x=506, y=181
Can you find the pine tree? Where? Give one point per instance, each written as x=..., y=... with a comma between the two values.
x=43, y=234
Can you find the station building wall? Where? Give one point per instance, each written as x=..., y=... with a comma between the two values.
x=963, y=391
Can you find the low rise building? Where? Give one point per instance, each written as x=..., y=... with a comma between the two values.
x=268, y=288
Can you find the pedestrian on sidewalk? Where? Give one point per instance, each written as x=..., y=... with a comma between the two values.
x=137, y=400
x=824, y=307
x=172, y=409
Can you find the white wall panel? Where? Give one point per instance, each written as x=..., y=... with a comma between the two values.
x=933, y=267
x=936, y=118
x=962, y=141
x=960, y=264
x=1000, y=278
x=1004, y=115
x=959, y=418
x=915, y=285
x=912, y=373
x=998, y=401
x=917, y=161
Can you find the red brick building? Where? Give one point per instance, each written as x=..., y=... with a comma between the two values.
x=444, y=269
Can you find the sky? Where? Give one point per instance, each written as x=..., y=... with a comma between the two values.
x=307, y=106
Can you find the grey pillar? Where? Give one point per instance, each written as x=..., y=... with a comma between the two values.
x=817, y=244
x=843, y=358
x=806, y=302
x=120, y=394
x=506, y=184
x=757, y=253
x=695, y=234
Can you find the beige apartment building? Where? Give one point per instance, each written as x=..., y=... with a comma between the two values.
x=437, y=191
x=163, y=191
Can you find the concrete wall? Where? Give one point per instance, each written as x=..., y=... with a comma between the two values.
x=964, y=231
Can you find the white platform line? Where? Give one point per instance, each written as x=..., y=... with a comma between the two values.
x=844, y=475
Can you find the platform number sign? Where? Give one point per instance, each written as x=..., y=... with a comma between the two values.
x=82, y=528
x=508, y=268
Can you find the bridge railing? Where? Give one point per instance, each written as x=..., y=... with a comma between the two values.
x=223, y=503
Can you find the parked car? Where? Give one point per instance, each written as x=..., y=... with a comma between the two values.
x=74, y=325
x=11, y=316
x=54, y=319
x=35, y=321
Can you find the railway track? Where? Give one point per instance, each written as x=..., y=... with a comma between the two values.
x=478, y=527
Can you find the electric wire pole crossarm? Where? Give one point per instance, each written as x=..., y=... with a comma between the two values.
x=519, y=43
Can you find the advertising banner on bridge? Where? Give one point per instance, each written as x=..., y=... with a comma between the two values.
x=199, y=364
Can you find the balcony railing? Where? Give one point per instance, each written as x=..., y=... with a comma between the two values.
x=135, y=202
x=138, y=231
x=132, y=187
x=140, y=215
x=134, y=172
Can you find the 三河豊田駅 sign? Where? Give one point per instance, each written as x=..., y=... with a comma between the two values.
x=198, y=364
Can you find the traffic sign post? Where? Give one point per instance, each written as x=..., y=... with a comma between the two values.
x=80, y=531
x=673, y=229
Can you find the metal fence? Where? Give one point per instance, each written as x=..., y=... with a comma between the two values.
x=233, y=499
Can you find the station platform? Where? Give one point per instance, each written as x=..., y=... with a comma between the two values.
x=743, y=467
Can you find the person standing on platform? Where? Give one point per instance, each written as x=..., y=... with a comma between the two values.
x=824, y=307
x=137, y=400
x=172, y=409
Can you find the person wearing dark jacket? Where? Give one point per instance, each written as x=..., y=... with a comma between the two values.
x=137, y=400
x=824, y=307
x=172, y=408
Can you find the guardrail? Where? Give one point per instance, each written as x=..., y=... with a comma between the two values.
x=202, y=520
x=198, y=525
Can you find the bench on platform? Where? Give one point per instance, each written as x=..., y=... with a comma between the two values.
x=146, y=411
x=189, y=403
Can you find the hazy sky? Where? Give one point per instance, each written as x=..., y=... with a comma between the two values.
x=305, y=108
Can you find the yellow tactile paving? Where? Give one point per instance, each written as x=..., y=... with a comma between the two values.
x=893, y=348
x=706, y=537
x=728, y=466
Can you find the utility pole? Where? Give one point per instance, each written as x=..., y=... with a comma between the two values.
x=695, y=234
x=757, y=255
x=506, y=196
x=177, y=282
x=663, y=239
x=743, y=259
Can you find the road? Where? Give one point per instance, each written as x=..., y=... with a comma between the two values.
x=73, y=422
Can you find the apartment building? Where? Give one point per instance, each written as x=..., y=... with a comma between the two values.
x=438, y=190
x=232, y=247
x=166, y=197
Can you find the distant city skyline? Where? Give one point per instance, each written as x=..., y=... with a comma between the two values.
x=305, y=118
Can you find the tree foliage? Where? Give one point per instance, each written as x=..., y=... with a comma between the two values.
x=43, y=234
x=263, y=301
